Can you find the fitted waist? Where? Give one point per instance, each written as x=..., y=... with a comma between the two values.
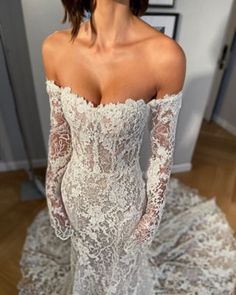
x=106, y=160
x=133, y=167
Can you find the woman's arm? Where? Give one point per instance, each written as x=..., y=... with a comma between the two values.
x=164, y=116
x=163, y=122
x=164, y=113
x=59, y=154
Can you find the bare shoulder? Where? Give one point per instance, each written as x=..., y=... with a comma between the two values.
x=56, y=38
x=51, y=49
x=168, y=62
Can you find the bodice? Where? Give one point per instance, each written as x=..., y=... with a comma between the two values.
x=107, y=138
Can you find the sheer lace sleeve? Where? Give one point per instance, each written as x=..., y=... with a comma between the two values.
x=163, y=121
x=59, y=153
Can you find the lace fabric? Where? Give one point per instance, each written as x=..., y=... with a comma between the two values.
x=193, y=252
x=163, y=123
x=95, y=188
x=59, y=153
x=103, y=196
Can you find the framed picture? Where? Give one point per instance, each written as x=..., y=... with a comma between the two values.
x=164, y=22
x=162, y=3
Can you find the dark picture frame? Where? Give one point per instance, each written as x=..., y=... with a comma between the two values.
x=166, y=23
x=162, y=3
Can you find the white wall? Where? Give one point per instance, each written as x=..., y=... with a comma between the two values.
x=200, y=33
x=201, y=29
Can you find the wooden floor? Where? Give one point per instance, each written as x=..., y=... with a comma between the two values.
x=213, y=174
x=214, y=168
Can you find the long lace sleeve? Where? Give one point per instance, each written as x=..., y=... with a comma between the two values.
x=162, y=127
x=59, y=153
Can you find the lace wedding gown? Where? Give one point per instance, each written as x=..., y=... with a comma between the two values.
x=106, y=212
x=96, y=192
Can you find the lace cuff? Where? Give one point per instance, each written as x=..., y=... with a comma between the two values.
x=163, y=121
x=59, y=154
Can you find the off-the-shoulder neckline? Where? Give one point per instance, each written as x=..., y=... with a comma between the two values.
x=165, y=99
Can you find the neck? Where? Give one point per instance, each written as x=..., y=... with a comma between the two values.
x=112, y=21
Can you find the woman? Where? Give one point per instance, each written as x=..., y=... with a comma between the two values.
x=106, y=78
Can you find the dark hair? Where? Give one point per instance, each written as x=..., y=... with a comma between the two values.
x=75, y=10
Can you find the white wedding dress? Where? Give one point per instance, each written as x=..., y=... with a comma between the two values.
x=96, y=190
x=110, y=210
